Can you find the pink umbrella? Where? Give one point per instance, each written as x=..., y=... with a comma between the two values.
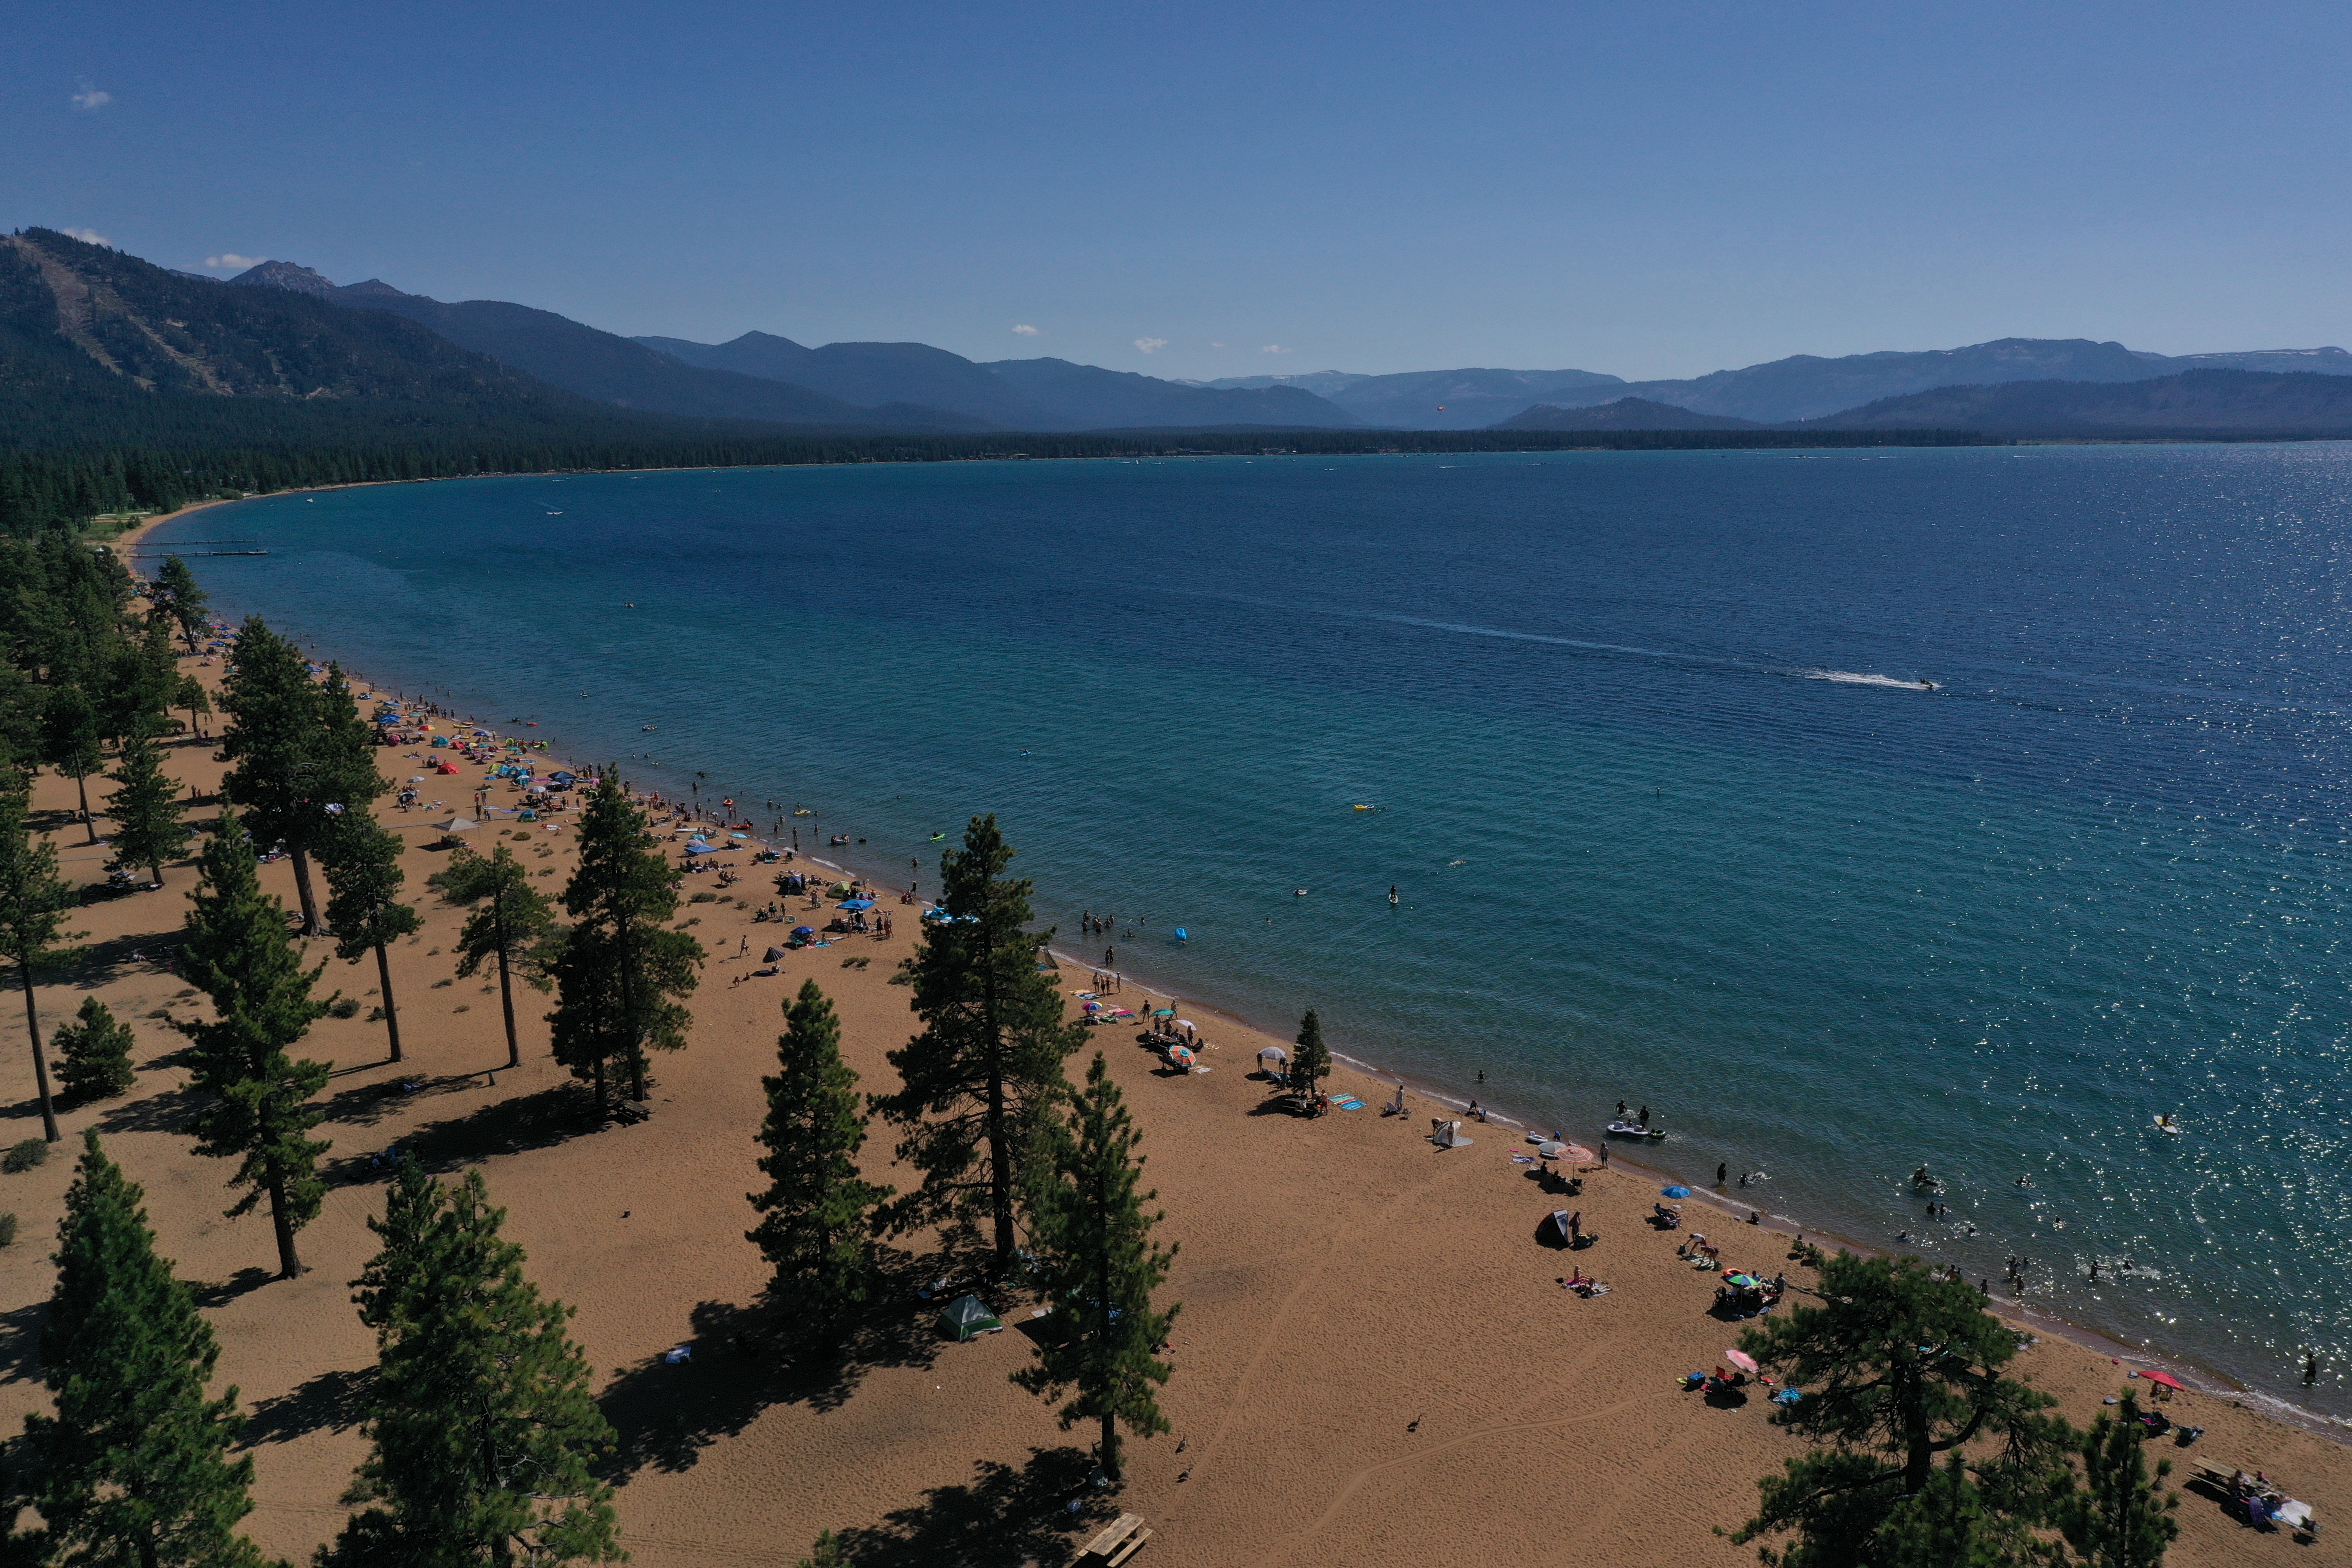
x=1742, y=1360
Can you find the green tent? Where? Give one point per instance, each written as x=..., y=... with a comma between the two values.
x=966, y=1318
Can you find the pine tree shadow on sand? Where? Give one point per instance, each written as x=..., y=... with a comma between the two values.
x=666, y=1415
x=1004, y=1518
x=333, y=1401
x=20, y=1341
x=503, y=1126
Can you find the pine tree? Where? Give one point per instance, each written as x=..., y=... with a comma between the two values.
x=71, y=744
x=514, y=924
x=817, y=1207
x=620, y=972
x=134, y=1471
x=239, y=954
x=1312, y=1062
x=2121, y=1518
x=1097, y=1262
x=481, y=1422
x=140, y=678
x=146, y=808
x=32, y=901
x=364, y=909
x=1904, y=1370
x=295, y=752
x=986, y=1071
x=176, y=593
x=346, y=747
x=94, y=1054
x=190, y=694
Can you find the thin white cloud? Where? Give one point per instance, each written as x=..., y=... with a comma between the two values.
x=87, y=236
x=1216, y=345
x=1025, y=330
x=231, y=258
x=1273, y=349
x=1151, y=345
x=91, y=97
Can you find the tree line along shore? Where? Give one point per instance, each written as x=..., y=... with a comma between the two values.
x=485, y=1438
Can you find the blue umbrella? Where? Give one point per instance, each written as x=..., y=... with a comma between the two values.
x=1677, y=1193
x=857, y=903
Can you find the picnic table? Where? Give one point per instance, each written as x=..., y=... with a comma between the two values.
x=1119, y=1540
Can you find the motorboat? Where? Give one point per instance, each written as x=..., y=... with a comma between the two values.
x=1635, y=1130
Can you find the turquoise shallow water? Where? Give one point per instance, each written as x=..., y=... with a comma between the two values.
x=1670, y=817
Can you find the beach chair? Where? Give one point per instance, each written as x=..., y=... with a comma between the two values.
x=1119, y=1540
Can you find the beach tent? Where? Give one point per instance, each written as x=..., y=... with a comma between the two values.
x=965, y=1318
x=857, y=903
x=459, y=825
x=1559, y=1223
x=1449, y=1136
x=772, y=955
x=700, y=847
x=562, y=776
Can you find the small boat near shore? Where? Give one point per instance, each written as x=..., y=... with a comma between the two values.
x=1635, y=1130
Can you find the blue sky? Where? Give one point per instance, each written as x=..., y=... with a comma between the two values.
x=1647, y=189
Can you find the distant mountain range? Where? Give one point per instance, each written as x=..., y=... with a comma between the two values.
x=2215, y=401
x=83, y=315
x=1803, y=386
x=1012, y=394
x=1625, y=413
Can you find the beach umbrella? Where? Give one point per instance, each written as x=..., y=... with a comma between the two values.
x=1094, y=1006
x=1186, y=1024
x=1163, y=1012
x=772, y=954
x=1675, y=1193
x=1275, y=1053
x=803, y=931
x=857, y=903
x=1182, y=1056
x=1551, y=1151
x=1741, y=1359
x=2166, y=1378
x=1744, y=1281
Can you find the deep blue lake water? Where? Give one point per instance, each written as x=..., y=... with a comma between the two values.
x=1670, y=817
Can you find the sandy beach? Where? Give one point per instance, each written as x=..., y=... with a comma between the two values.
x=1374, y=1360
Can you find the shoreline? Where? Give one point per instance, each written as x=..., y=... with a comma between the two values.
x=2202, y=1379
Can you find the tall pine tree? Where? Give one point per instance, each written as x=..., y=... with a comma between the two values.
x=2121, y=1518
x=985, y=1073
x=363, y=907
x=1312, y=1061
x=134, y=1471
x=70, y=742
x=174, y=592
x=1904, y=1372
x=32, y=901
x=271, y=742
x=1097, y=1264
x=146, y=808
x=256, y=1096
x=817, y=1207
x=513, y=923
x=621, y=973
x=482, y=1424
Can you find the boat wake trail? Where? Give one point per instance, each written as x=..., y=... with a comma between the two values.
x=1851, y=678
